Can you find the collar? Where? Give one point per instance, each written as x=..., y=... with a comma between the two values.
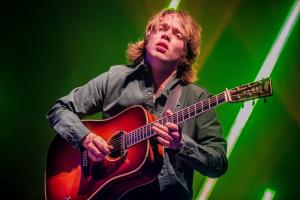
x=171, y=84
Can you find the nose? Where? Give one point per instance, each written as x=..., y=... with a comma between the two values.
x=166, y=36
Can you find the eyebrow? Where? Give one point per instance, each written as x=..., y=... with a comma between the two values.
x=177, y=30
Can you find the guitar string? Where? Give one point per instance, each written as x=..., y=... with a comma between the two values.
x=185, y=113
x=187, y=110
x=134, y=136
x=138, y=134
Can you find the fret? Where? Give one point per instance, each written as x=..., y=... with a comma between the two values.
x=206, y=105
x=221, y=98
x=162, y=120
x=199, y=107
x=130, y=138
x=174, y=119
x=170, y=119
x=193, y=113
x=136, y=136
x=145, y=132
x=126, y=141
x=141, y=133
x=213, y=101
x=186, y=114
x=180, y=116
x=139, y=136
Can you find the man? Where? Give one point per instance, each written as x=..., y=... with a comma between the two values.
x=160, y=62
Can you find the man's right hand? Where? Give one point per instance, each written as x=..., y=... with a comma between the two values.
x=96, y=146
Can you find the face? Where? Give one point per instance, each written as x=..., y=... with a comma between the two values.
x=166, y=41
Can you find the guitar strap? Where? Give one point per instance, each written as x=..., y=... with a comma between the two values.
x=173, y=99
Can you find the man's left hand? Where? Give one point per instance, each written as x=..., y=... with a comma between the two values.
x=169, y=135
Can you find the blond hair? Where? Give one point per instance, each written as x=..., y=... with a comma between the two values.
x=192, y=35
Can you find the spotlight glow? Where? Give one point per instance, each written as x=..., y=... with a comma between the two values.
x=269, y=194
x=174, y=4
x=265, y=71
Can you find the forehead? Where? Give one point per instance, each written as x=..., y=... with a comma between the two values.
x=173, y=21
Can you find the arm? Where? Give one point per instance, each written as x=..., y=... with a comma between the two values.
x=207, y=156
x=206, y=151
x=64, y=117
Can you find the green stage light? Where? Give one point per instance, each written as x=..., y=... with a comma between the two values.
x=264, y=72
x=268, y=194
x=173, y=4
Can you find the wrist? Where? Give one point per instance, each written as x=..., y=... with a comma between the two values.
x=179, y=147
x=85, y=140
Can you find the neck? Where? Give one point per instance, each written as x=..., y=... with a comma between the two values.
x=162, y=71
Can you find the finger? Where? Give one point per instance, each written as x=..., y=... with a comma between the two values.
x=162, y=133
x=102, y=147
x=110, y=147
x=94, y=157
x=172, y=126
x=164, y=128
x=105, y=145
x=175, y=135
x=168, y=112
x=91, y=147
x=163, y=141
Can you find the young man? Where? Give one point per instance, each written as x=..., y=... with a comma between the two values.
x=160, y=62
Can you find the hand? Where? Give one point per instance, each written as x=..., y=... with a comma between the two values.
x=96, y=146
x=169, y=135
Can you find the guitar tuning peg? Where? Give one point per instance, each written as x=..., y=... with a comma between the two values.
x=253, y=102
x=265, y=100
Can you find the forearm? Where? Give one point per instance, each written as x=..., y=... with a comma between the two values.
x=65, y=116
x=209, y=159
x=67, y=124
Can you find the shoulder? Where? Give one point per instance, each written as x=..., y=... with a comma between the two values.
x=114, y=75
x=120, y=70
x=196, y=91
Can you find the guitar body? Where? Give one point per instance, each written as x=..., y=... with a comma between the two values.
x=115, y=175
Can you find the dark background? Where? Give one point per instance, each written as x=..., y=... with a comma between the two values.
x=50, y=47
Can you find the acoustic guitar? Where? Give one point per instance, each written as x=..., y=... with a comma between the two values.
x=136, y=158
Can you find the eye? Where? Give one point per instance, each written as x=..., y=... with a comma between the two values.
x=179, y=36
x=160, y=28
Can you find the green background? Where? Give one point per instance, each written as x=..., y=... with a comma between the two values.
x=51, y=47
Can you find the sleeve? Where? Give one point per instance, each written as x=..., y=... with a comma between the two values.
x=64, y=117
x=206, y=151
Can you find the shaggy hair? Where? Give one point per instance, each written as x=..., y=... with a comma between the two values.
x=192, y=36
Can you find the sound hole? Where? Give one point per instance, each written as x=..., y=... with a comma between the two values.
x=118, y=143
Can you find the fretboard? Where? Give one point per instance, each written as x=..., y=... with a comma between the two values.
x=178, y=117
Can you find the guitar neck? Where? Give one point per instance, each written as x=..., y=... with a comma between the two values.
x=178, y=117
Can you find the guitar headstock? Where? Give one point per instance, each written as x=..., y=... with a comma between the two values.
x=258, y=89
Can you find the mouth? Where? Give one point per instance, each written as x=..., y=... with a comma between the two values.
x=163, y=45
